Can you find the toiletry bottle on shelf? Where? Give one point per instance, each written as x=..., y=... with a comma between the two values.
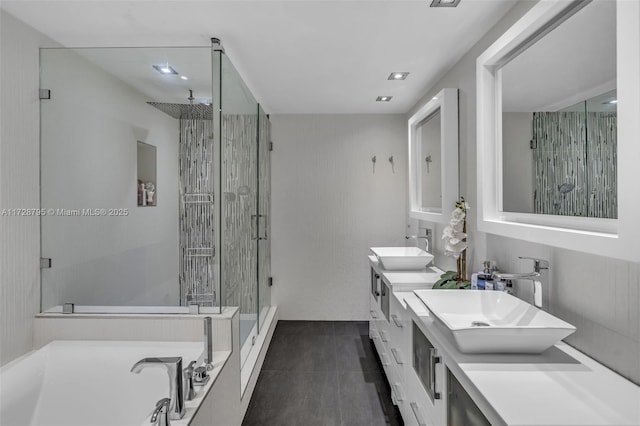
x=488, y=283
x=481, y=281
x=509, y=287
x=500, y=285
x=474, y=281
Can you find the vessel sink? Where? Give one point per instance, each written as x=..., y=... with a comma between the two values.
x=484, y=321
x=402, y=258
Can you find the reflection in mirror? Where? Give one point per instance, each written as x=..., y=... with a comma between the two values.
x=431, y=179
x=559, y=119
x=433, y=157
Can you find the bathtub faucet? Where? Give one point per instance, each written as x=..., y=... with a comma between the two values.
x=173, y=366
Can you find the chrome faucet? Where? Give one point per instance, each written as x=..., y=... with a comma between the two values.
x=173, y=366
x=426, y=238
x=187, y=381
x=160, y=416
x=538, y=266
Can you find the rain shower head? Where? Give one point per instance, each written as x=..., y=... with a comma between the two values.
x=198, y=111
x=190, y=110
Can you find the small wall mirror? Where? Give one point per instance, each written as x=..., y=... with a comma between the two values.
x=433, y=157
x=146, y=196
x=559, y=120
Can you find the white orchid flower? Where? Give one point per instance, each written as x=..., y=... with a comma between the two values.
x=457, y=215
x=454, y=235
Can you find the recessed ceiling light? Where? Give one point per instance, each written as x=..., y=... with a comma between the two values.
x=615, y=101
x=444, y=3
x=165, y=69
x=398, y=76
x=383, y=98
x=435, y=98
x=184, y=77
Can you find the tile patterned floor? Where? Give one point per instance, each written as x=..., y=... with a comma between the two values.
x=321, y=373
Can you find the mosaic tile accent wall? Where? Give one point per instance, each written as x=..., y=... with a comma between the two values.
x=196, y=214
x=239, y=170
x=579, y=149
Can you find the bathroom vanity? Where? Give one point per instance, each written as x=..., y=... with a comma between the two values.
x=434, y=383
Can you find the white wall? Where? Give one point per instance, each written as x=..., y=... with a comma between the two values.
x=517, y=162
x=19, y=185
x=328, y=208
x=599, y=295
x=90, y=129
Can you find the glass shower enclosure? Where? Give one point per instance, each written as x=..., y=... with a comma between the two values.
x=245, y=203
x=155, y=179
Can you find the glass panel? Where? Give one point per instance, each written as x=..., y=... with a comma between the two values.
x=423, y=351
x=239, y=201
x=264, y=206
x=105, y=250
x=461, y=410
x=559, y=120
x=430, y=146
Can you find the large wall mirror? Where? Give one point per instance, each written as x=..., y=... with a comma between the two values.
x=552, y=102
x=559, y=120
x=433, y=157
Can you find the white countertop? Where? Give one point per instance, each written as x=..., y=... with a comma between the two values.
x=561, y=386
x=408, y=280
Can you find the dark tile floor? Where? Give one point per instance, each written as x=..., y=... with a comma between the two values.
x=321, y=373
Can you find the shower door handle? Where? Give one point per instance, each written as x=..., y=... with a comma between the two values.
x=264, y=227
x=254, y=227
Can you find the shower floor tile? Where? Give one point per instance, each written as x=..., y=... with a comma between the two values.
x=321, y=373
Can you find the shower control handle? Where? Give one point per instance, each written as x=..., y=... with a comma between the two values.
x=160, y=415
x=208, y=342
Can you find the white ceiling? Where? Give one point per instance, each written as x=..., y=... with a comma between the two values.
x=295, y=56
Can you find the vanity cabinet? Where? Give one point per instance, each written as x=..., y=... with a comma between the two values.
x=461, y=409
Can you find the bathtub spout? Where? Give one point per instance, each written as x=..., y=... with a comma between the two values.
x=173, y=366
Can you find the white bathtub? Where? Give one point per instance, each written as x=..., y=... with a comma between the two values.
x=89, y=383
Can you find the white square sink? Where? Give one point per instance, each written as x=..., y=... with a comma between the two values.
x=402, y=258
x=484, y=321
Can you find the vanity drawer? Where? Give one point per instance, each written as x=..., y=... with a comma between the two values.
x=417, y=405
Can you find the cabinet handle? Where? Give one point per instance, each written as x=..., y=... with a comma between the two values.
x=397, y=322
x=396, y=355
x=377, y=293
x=433, y=360
x=383, y=335
x=416, y=412
x=398, y=391
x=373, y=314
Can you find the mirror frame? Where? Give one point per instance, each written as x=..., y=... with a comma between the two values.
x=619, y=238
x=447, y=102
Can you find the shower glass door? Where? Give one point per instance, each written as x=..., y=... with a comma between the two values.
x=264, y=210
x=239, y=198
